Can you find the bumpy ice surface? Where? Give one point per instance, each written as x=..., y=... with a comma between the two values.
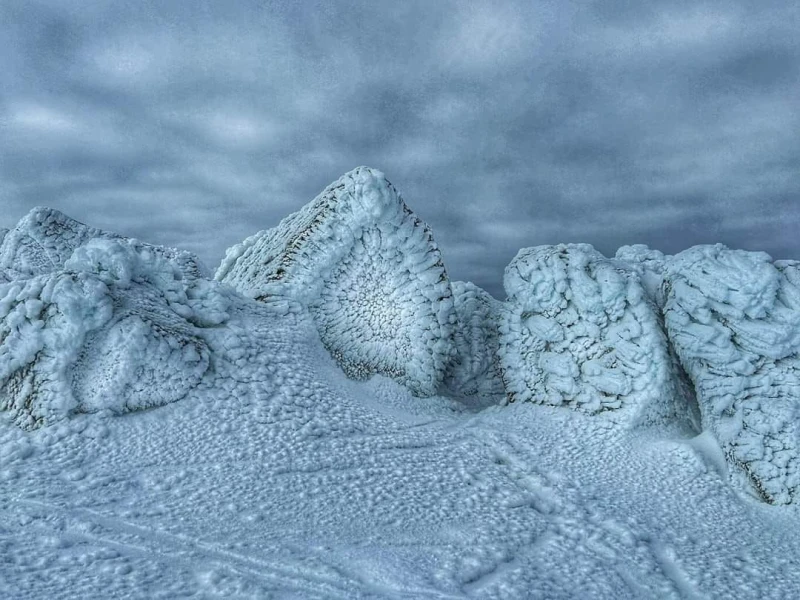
x=113, y=326
x=45, y=239
x=278, y=477
x=475, y=369
x=734, y=319
x=369, y=272
x=579, y=330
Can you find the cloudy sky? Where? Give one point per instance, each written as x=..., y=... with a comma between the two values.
x=504, y=125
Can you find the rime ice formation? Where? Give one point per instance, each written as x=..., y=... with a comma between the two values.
x=115, y=327
x=578, y=330
x=734, y=319
x=369, y=272
x=44, y=239
x=651, y=265
x=475, y=368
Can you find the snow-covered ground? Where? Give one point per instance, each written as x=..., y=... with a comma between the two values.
x=165, y=435
x=284, y=479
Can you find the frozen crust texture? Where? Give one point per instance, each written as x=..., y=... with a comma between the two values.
x=734, y=319
x=370, y=274
x=579, y=330
x=114, y=326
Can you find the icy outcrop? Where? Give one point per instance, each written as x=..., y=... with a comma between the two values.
x=117, y=327
x=651, y=266
x=369, y=272
x=45, y=239
x=475, y=368
x=578, y=330
x=734, y=319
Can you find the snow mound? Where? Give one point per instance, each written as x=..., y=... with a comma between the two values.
x=579, y=330
x=475, y=368
x=369, y=272
x=45, y=239
x=116, y=328
x=734, y=319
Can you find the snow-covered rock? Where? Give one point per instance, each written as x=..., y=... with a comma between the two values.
x=579, y=330
x=369, y=272
x=734, y=319
x=115, y=327
x=475, y=368
x=45, y=238
x=651, y=265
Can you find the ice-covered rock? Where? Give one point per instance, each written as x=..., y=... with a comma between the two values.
x=475, y=368
x=734, y=319
x=45, y=239
x=116, y=327
x=369, y=272
x=579, y=330
x=651, y=265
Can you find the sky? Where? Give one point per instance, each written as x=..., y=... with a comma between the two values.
x=502, y=124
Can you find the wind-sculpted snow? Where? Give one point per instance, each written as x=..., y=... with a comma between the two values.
x=475, y=368
x=734, y=319
x=369, y=272
x=578, y=330
x=114, y=328
x=45, y=239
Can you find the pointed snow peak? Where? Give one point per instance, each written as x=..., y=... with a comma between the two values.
x=363, y=189
x=369, y=272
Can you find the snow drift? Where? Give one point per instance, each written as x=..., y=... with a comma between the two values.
x=734, y=319
x=578, y=330
x=369, y=272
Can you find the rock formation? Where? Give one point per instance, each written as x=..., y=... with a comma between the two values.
x=369, y=272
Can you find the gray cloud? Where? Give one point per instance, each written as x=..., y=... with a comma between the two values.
x=502, y=124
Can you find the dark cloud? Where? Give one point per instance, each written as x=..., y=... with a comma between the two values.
x=503, y=124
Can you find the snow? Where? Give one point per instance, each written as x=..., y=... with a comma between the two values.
x=45, y=238
x=167, y=436
x=116, y=328
x=734, y=319
x=369, y=272
x=475, y=369
x=579, y=330
x=278, y=477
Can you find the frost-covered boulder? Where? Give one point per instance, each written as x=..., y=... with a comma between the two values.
x=734, y=319
x=116, y=328
x=475, y=368
x=651, y=266
x=369, y=272
x=579, y=330
x=45, y=239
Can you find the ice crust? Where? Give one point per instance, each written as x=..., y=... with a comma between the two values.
x=734, y=319
x=45, y=239
x=475, y=369
x=579, y=330
x=114, y=325
x=369, y=272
